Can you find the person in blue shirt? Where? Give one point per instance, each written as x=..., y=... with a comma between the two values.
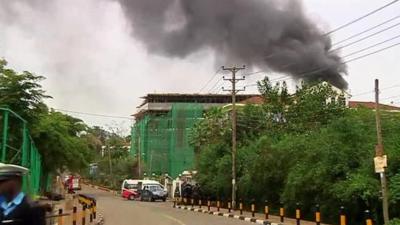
x=15, y=208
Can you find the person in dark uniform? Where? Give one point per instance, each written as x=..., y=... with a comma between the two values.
x=15, y=207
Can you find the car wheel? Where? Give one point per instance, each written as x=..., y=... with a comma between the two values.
x=152, y=199
x=131, y=197
x=164, y=199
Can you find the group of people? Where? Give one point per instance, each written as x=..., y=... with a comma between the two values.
x=189, y=191
x=15, y=206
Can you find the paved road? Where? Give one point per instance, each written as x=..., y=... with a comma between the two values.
x=118, y=211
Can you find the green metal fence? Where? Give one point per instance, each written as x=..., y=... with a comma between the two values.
x=17, y=147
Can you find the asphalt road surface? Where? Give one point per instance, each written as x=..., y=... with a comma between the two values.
x=117, y=211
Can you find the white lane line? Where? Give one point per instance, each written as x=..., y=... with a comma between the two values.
x=174, y=219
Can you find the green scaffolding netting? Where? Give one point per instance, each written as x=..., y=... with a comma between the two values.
x=163, y=139
x=17, y=147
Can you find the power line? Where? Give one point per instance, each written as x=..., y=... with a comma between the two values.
x=367, y=30
x=350, y=60
x=361, y=18
x=372, y=53
x=372, y=46
x=324, y=68
x=366, y=37
x=351, y=37
x=94, y=114
x=208, y=82
x=395, y=96
x=347, y=45
x=214, y=86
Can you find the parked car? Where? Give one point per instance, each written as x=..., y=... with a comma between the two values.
x=153, y=192
x=129, y=189
x=73, y=183
x=133, y=189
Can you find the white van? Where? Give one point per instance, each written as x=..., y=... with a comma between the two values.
x=130, y=188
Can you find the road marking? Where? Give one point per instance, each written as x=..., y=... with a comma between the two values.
x=174, y=219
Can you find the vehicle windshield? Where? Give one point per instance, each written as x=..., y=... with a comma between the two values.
x=155, y=188
x=131, y=186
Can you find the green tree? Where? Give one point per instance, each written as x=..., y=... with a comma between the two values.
x=306, y=147
x=62, y=142
x=60, y=138
x=22, y=92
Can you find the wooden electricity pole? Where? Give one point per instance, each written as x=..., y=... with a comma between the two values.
x=233, y=91
x=379, y=152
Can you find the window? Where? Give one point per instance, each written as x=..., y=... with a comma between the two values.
x=130, y=186
x=154, y=188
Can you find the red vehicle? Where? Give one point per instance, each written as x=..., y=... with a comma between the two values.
x=73, y=183
x=129, y=189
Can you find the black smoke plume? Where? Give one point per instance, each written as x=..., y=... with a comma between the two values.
x=268, y=34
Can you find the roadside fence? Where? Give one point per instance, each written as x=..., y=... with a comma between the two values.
x=82, y=214
x=208, y=205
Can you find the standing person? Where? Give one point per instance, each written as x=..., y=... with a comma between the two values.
x=16, y=208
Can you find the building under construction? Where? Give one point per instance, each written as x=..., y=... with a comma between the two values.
x=160, y=135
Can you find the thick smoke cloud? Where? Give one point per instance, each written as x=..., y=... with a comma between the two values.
x=268, y=34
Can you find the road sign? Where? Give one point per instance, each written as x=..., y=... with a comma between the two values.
x=380, y=163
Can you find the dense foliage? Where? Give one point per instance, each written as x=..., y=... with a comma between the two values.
x=60, y=138
x=114, y=162
x=306, y=147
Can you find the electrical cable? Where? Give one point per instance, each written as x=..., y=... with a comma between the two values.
x=361, y=18
x=372, y=91
x=94, y=114
x=365, y=38
x=367, y=30
x=208, y=82
x=322, y=69
x=372, y=46
x=214, y=86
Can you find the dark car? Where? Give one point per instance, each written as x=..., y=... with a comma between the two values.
x=152, y=193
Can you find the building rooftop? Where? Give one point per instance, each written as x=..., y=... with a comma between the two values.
x=371, y=105
x=161, y=103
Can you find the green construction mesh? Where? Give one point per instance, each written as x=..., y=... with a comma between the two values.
x=162, y=140
x=17, y=147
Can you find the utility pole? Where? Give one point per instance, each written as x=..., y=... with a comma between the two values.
x=110, y=164
x=380, y=159
x=233, y=91
x=139, y=156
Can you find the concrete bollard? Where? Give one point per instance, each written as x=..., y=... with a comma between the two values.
x=282, y=212
x=94, y=209
x=241, y=206
x=368, y=218
x=74, y=216
x=91, y=212
x=298, y=214
x=60, y=218
x=253, y=208
x=317, y=215
x=342, y=216
x=84, y=214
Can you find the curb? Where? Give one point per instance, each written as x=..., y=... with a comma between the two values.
x=100, y=220
x=228, y=215
x=102, y=188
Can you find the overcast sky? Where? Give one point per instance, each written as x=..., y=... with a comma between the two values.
x=93, y=64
